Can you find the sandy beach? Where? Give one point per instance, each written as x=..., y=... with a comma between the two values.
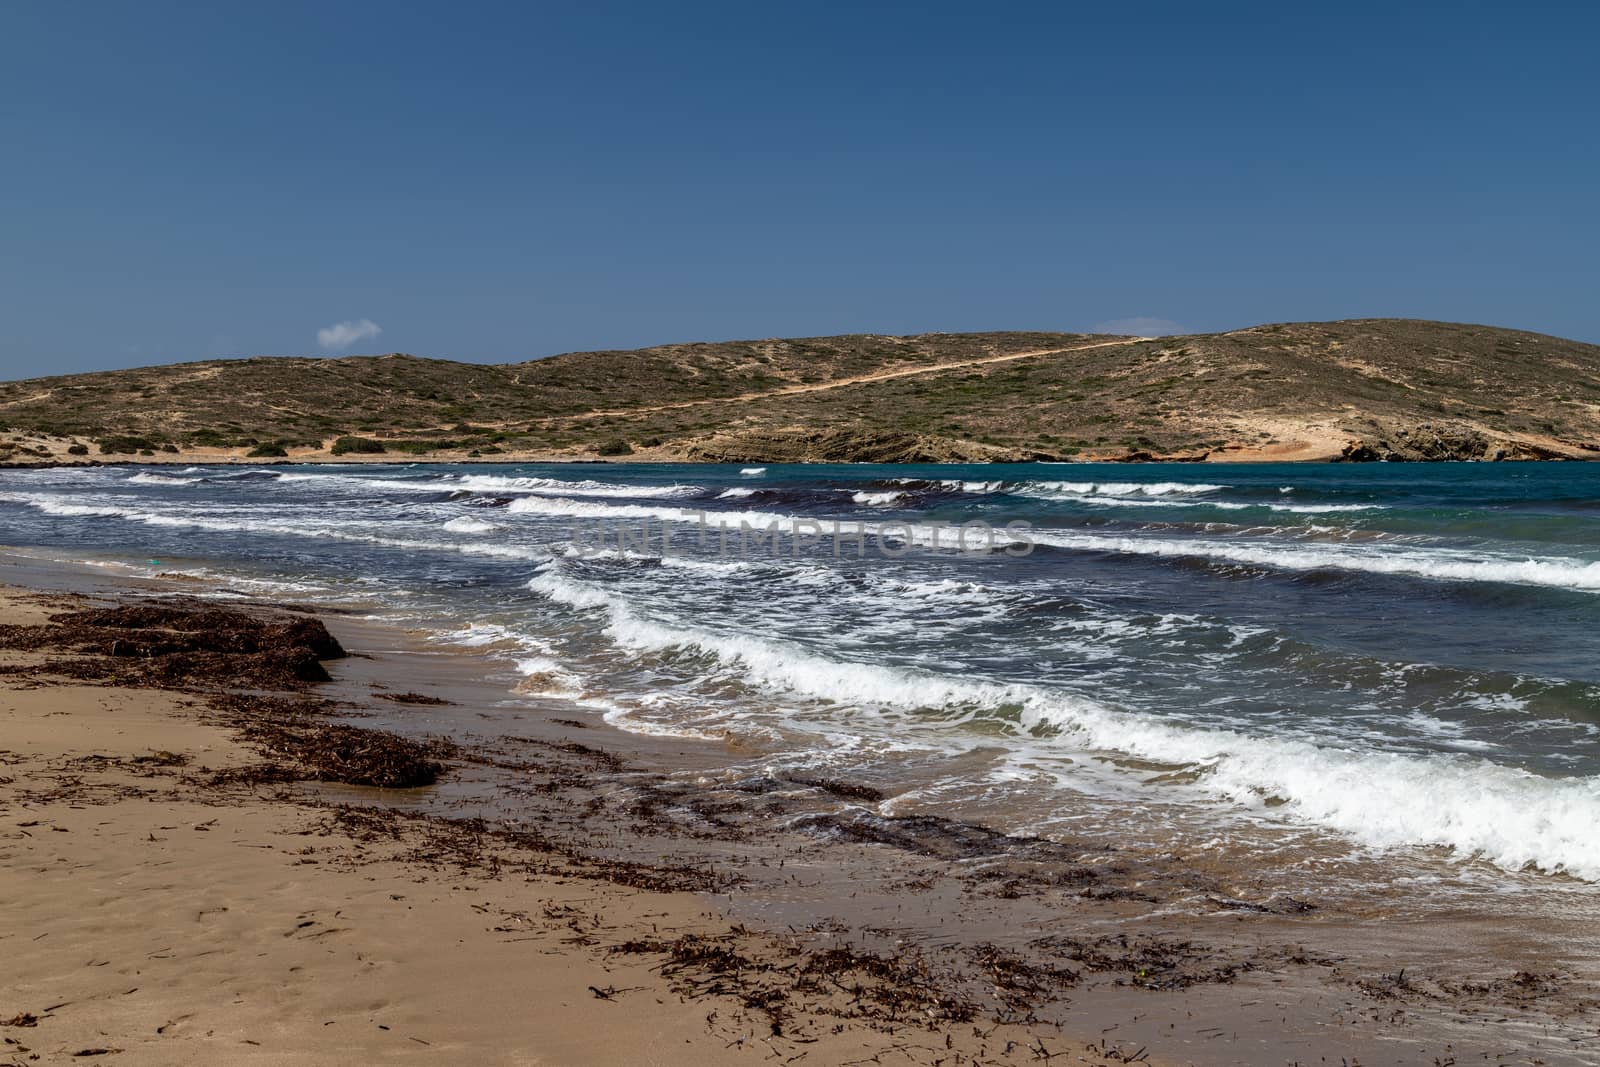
x=190, y=876
x=163, y=919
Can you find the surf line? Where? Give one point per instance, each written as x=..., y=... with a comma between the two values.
x=729, y=538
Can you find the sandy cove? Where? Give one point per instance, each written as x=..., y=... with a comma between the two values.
x=181, y=888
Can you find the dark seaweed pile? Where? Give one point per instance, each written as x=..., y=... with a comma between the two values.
x=197, y=647
x=174, y=645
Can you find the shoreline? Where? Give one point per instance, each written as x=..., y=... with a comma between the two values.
x=1140, y=960
x=552, y=459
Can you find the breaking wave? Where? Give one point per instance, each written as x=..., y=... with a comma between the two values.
x=1507, y=816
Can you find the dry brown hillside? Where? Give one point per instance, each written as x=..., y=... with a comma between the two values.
x=1376, y=388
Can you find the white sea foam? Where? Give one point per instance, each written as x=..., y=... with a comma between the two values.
x=554, y=679
x=1323, y=509
x=365, y=482
x=466, y=524
x=1505, y=815
x=1445, y=564
x=944, y=591
x=705, y=565
x=1053, y=490
x=1120, y=488
x=481, y=634
x=495, y=483
x=545, y=506
x=766, y=661
x=943, y=536
x=1220, y=505
x=160, y=479
x=1299, y=509
x=736, y=494
x=532, y=656
x=489, y=483
x=1146, y=494
x=1143, y=502
x=332, y=531
x=632, y=719
x=877, y=500
x=1375, y=559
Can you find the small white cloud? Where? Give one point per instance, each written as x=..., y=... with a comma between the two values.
x=1139, y=326
x=342, y=335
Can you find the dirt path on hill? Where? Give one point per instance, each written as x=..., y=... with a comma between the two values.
x=840, y=383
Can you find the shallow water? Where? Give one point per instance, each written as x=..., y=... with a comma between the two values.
x=1311, y=665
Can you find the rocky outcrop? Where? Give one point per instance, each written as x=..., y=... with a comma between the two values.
x=1144, y=456
x=847, y=444
x=1429, y=443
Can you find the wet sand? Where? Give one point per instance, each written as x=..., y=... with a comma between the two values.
x=189, y=877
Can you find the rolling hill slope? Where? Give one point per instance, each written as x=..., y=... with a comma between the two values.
x=1363, y=389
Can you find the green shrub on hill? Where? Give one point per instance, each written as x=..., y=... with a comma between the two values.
x=267, y=450
x=125, y=445
x=361, y=446
x=417, y=448
x=209, y=438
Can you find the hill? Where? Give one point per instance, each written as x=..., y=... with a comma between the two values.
x=1359, y=389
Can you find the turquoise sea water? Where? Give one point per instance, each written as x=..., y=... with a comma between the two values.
x=1393, y=656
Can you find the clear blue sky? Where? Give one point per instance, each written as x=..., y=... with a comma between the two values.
x=494, y=182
